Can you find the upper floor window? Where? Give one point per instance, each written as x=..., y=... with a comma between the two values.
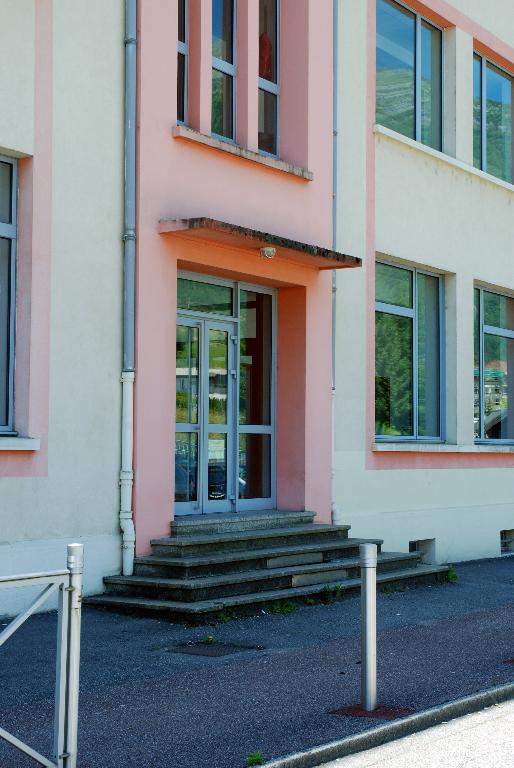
x=8, y=185
x=182, y=61
x=492, y=119
x=223, y=69
x=494, y=366
x=408, y=342
x=268, y=76
x=408, y=74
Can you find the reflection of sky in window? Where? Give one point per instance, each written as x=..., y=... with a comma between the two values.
x=395, y=37
x=219, y=44
x=498, y=87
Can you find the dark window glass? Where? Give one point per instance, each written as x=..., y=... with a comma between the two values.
x=222, y=30
x=5, y=193
x=498, y=311
x=428, y=356
x=431, y=81
x=393, y=285
x=498, y=387
x=255, y=358
x=268, y=40
x=217, y=466
x=181, y=87
x=5, y=300
x=204, y=297
x=476, y=361
x=477, y=112
x=222, y=119
x=499, y=123
x=394, y=379
x=254, y=466
x=187, y=375
x=395, y=95
x=267, y=122
x=182, y=20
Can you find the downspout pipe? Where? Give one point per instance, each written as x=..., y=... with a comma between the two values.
x=129, y=268
x=335, y=211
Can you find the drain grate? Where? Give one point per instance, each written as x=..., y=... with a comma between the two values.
x=381, y=713
x=213, y=649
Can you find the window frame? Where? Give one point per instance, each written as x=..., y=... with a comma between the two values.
x=491, y=330
x=411, y=312
x=273, y=88
x=183, y=49
x=418, y=23
x=484, y=63
x=228, y=69
x=9, y=232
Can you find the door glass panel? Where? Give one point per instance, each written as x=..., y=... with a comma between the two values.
x=217, y=467
x=218, y=376
x=187, y=375
x=393, y=375
x=498, y=387
x=255, y=358
x=186, y=466
x=204, y=297
x=5, y=279
x=254, y=466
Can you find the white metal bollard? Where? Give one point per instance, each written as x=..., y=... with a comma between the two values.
x=368, y=563
x=76, y=569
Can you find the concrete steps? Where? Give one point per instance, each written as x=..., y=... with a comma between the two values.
x=249, y=582
x=203, y=611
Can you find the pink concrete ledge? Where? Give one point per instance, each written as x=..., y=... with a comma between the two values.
x=220, y=232
x=183, y=132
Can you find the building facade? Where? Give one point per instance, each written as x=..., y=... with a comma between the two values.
x=424, y=379
x=61, y=209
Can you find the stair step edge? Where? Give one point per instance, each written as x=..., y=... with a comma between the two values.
x=264, y=533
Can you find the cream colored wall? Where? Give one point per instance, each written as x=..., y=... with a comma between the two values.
x=443, y=215
x=80, y=496
x=17, y=76
x=497, y=16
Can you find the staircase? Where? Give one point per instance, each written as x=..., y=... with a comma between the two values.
x=223, y=566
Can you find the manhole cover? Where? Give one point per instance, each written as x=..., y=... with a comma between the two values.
x=380, y=713
x=203, y=648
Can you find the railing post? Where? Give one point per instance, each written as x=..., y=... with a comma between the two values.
x=368, y=563
x=76, y=568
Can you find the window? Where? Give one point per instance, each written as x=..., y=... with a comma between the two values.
x=494, y=366
x=409, y=74
x=223, y=69
x=492, y=119
x=408, y=369
x=8, y=185
x=268, y=76
x=182, y=61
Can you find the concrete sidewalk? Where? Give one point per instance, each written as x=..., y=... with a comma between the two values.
x=482, y=740
x=144, y=704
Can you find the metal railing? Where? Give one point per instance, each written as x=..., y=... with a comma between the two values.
x=67, y=584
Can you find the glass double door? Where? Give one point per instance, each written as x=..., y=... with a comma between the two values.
x=205, y=402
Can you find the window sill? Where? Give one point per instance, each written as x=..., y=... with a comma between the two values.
x=20, y=443
x=407, y=447
x=183, y=132
x=380, y=130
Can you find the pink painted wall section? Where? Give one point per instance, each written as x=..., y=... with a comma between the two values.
x=33, y=261
x=180, y=178
x=445, y=14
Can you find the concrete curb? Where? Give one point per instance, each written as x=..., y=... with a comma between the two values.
x=404, y=727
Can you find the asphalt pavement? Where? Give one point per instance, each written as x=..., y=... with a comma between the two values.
x=144, y=704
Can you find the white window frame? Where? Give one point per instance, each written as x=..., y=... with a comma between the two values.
x=274, y=88
x=418, y=20
x=393, y=309
x=484, y=63
x=8, y=232
x=490, y=330
x=183, y=48
x=228, y=69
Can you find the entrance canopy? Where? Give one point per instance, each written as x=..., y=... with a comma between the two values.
x=220, y=232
